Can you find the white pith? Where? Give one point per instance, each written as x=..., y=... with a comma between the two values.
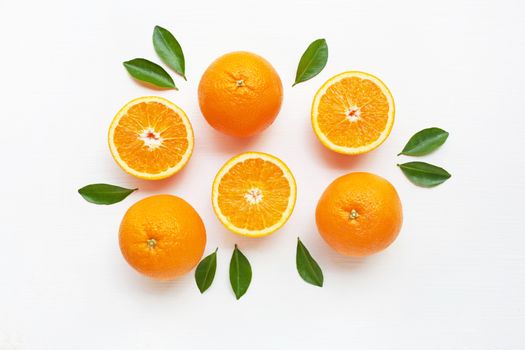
x=353, y=114
x=151, y=138
x=253, y=196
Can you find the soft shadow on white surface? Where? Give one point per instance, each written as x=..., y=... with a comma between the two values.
x=164, y=185
x=455, y=273
x=346, y=265
x=329, y=158
x=337, y=160
x=230, y=145
x=229, y=239
x=138, y=283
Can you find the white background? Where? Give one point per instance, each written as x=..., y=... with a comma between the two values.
x=455, y=277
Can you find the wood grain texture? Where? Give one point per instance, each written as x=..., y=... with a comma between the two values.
x=452, y=280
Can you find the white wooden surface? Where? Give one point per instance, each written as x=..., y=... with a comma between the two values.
x=454, y=279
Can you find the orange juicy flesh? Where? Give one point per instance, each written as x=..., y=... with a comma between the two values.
x=342, y=97
x=134, y=152
x=245, y=176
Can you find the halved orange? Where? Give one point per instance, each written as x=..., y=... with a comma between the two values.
x=353, y=113
x=151, y=138
x=254, y=194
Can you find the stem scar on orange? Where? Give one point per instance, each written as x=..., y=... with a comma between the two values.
x=162, y=236
x=254, y=194
x=353, y=113
x=240, y=94
x=151, y=138
x=359, y=214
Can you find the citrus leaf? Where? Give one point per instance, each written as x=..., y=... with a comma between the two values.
x=307, y=267
x=240, y=273
x=149, y=72
x=169, y=50
x=424, y=174
x=104, y=193
x=312, y=61
x=424, y=142
x=205, y=272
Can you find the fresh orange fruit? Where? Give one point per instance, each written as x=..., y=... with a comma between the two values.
x=359, y=214
x=162, y=236
x=254, y=194
x=353, y=113
x=151, y=138
x=240, y=94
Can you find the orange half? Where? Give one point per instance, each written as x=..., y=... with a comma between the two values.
x=353, y=113
x=254, y=194
x=151, y=138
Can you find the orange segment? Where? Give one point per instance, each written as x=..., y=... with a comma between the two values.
x=254, y=194
x=151, y=138
x=353, y=113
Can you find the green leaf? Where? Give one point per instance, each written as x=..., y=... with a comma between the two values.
x=169, y=50
x=424, y=174
x=104, y=193
x=425, y=141
x=205, y=272
x=312, y=61
x=149, y=72
x=240, y=273
x=307, y=267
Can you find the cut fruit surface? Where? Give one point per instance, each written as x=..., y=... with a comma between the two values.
x=254, y=194
x=151, y=138
x=353, y=113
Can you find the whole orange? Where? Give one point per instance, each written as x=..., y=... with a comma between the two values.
x=240, y=94
x=359, y=214
x=162, y=236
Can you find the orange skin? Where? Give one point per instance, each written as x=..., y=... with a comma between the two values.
x=359, y=214
x=162, y=237
x=240, y=94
